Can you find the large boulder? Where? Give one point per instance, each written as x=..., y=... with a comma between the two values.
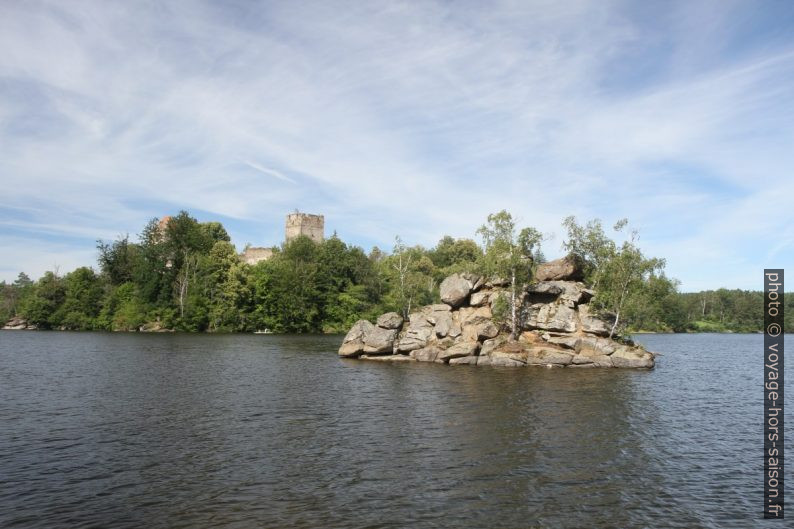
x=567, y=268
x=590, y=323
x=459, y=350
x=479, y=298
x=353, y=343
x=548, y=355
x=390, y=320
x=426, y=354
x=570, y=293
x=443, y=324
x=594, y=346
x=364, y=337
x=417, y=334
x=488, y=346
x=551, y=317
x=513, y=351
x=455, y=290
x=379, y=340
x=626, y=356
x=17, y=323
x=566, y=341
x=464, y=360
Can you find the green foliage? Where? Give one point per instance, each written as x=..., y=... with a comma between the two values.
x=40, y=307
x=509, y=255
x=81, y=304
x=187, y=276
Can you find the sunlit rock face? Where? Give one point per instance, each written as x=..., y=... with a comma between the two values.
x=557, y=328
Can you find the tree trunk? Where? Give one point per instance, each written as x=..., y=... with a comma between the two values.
x=614, y=325
x=620, y=306
x=513, y=306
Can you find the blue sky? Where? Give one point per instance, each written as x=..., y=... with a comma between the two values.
x=409, y=118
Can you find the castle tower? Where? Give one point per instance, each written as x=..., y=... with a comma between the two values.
x=312, y=226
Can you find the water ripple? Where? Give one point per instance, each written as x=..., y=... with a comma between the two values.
x=117, y=430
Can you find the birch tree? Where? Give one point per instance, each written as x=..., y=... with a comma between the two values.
x=624, y=274
x=509, y=255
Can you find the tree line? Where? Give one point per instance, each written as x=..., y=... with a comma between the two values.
x=186, y=275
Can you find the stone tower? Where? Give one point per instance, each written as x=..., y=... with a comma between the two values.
x=312, y=226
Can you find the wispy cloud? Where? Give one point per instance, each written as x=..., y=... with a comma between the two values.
x=269, y=172
x=416, y=118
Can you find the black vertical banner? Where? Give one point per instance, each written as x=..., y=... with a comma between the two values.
x=773, y=394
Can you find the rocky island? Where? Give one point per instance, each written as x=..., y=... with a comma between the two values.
x=556, y=327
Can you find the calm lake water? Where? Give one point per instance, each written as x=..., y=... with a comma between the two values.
x=131, y=430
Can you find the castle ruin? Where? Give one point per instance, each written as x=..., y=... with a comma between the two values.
x=312, y=226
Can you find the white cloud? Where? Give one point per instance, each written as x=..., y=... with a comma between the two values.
x=409, y=118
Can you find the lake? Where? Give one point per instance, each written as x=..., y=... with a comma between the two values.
x=177, y=430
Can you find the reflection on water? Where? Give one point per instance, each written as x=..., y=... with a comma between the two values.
x=120, y=430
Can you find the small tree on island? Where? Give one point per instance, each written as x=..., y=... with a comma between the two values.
x=509, y=255
x=618, y=274
x=625, y=275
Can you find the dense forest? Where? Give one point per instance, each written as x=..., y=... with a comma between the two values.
x=186, y=275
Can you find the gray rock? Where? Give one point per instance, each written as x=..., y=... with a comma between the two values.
x=426, y=354
x=379, y=340
x=570, y=293
x=390, y=320
x=418, y=332
x=414, y=339
x=475, y=315
x=566, y=268
x=546, y=355
x=353, y=343
x=17, y=324
x=545, y=288
x=463, y=360
x=551, y=317
x=593, y=346
x=487, y=330
x=351, y=349
x=631, y=357
x=478, y=282
x=501, y=361
x=569, y=342
x=499, y=356
x=459, y=350
x=602, y=361
x=455, y=290
x=388, y=358
x=490, y=345
x=443, y=324
x=591, y=324
x=433, y=312
x=479, y=298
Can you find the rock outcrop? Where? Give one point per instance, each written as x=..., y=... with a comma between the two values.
x=558, y=329
x=18, y=324
x=566, y=268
